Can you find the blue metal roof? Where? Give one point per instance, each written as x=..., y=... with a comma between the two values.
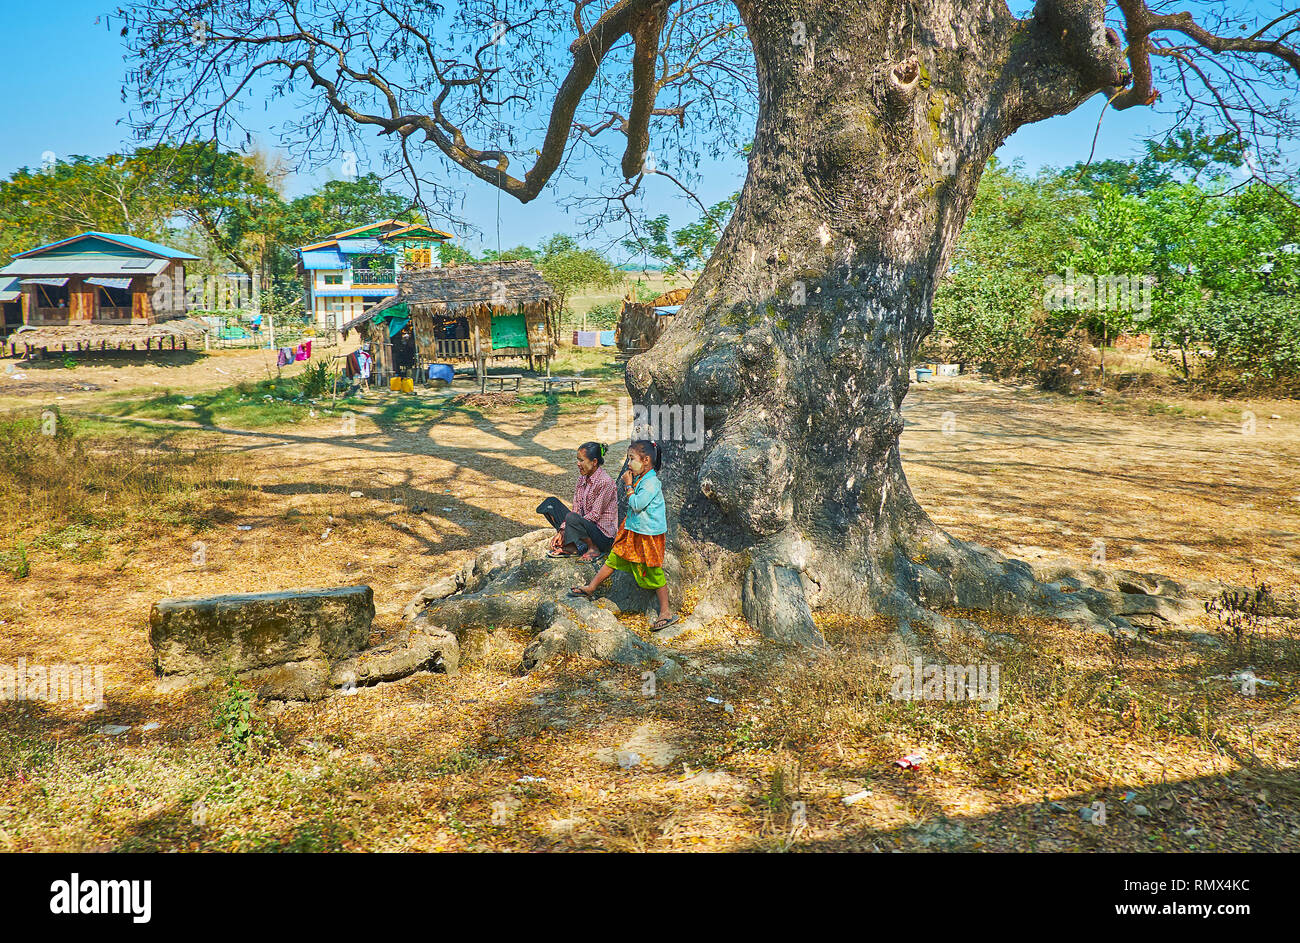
x=331, y=258
x=359, y=246
x=133, y=242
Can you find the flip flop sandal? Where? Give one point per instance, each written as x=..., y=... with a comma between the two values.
x=591, y=557
x=578, y=592
x=556, y=554
x=663, y=624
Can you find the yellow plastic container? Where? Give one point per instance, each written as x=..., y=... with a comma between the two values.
x=395, y=383
x=408, y=385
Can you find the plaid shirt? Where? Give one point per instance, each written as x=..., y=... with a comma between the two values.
x=596, y=499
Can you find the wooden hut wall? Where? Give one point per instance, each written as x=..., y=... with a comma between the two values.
x=479, y=318
x=381, y=348
x=639, y=327
x=142, y=304
x=537, y=321
x=424, y=317
x=81, y=300
x=164, y=295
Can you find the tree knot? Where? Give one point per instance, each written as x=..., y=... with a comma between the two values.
x=903, y=79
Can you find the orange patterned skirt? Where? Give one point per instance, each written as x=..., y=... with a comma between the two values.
x=642, y=555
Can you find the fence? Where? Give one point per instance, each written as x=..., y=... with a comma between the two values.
x=236, y=331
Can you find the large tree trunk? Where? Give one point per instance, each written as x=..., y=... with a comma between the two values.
x=874, y=126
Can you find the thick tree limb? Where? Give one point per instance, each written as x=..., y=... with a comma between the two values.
x=644, y=87
x=1141, y=24
x=1079, y=26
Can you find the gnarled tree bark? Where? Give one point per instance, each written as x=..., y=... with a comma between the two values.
x=875, y=122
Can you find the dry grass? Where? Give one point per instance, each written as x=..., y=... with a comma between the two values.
x=768, y=743
x=70, y=493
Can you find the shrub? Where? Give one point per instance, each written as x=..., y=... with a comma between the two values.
x=605, y=315
x=994, y=321
x=1064, y=359
x=1251, y=345
x=316, y=380
x=235, y=718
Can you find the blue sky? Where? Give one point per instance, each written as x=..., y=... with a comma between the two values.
x=70, y=103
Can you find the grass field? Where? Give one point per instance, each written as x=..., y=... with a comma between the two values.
x=133, y=498
x=635, y=282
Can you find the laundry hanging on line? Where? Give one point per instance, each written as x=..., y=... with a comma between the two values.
x=358, y=364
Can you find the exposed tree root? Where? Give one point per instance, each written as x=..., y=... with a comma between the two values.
x=922, y=574
x=919, y=576
x=513, y=583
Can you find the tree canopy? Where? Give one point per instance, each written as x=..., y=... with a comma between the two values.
x=486, y=86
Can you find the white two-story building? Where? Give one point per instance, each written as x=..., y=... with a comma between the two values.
x=349, y=271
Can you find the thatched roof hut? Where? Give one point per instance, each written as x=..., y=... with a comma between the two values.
x=640, y=324
x=465, y=313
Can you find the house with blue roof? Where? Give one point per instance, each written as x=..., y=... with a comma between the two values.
x=96, y=278
x=350, y=271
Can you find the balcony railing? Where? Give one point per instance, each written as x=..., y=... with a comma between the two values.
x=368, y=276
x=454, y=348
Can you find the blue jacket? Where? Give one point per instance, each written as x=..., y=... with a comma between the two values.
x=646, y=511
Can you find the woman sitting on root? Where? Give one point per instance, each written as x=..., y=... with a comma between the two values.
x=639, y=547
x=589, y=528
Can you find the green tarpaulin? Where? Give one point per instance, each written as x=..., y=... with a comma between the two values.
x=401, y=312
x=509, y=330
x=397, y=317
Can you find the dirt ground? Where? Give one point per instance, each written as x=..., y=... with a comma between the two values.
x=121, y=373
x=754, y=749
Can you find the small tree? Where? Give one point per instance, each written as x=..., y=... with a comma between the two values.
x=568, y=268
x=691, y=245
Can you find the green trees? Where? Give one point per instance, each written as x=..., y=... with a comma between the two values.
x=568, y=268
x=1165, y=245
x=989, y=308
x=118, y=193
x=689, y=247
x=231, y=202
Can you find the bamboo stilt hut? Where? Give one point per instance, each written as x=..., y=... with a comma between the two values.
x=465, y=313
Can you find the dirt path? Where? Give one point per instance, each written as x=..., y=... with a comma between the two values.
x=45, y=382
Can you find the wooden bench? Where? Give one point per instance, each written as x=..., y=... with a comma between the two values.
x=501, y=380
x=548, y=383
